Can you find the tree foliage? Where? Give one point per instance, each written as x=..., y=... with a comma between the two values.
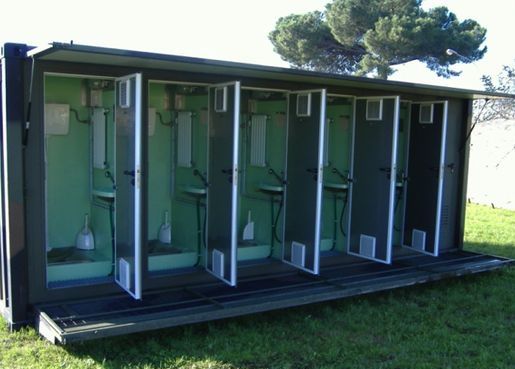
x=371, y=36
x=503, y=108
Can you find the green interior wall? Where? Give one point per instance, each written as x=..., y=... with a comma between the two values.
x=100, y=223
x=67, y=167
x=159, y=162
x=251, y=198
x=167, y=181
x=68, y=182
x=184, y=218
x=339, y=118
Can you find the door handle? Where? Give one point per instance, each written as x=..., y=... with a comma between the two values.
x=387, y=170
x=313, y=171
x=131, y=173
x=229, y=173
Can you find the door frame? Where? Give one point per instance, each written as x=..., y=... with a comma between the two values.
x=393, y=176
x=441, y=175
x=320, y=171
x=138, y=275
x=234, y=185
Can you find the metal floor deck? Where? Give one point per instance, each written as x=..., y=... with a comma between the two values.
x=109, y=316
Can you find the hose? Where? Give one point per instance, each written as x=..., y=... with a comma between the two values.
x=342, y=229
x=276, y=221
x=111, y=225
x=398, y=200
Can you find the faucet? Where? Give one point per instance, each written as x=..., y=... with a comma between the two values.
x=344, y=177
x=202, y=177
x=277, y=176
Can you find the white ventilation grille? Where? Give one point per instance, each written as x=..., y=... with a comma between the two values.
x=374, y=109
x=298, y=253
x=304, y=104
x=418, y=240
x=426, y=113
x=218, y=263
x=221, y=99
x=124, y=98
x=184, y=139
x=258, y=140
x=124, y=273
x=367, y=246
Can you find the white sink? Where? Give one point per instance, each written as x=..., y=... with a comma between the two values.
x=271, y=189
x=336, y=187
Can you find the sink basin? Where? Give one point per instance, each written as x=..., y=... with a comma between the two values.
x=336, y=187
x=271, y=189
x=104, y=192
x=195, y=191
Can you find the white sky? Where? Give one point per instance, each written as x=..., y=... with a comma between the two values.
x=234, y=30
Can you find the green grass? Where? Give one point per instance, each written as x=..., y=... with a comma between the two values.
x=459, y=323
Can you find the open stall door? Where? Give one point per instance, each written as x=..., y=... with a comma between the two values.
x=128, y=114
x=306, y=127
x=426, y=172
x=374, y=177
x=224, y=123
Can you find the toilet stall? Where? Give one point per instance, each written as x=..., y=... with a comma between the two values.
x=146, y=191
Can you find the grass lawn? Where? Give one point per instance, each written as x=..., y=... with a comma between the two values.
x=459, y=323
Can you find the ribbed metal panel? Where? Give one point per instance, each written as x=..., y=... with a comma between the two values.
x=298, y=253
x=258, y=140
x=184, y=139
x=218, y=263
x=418, y=239
x=367, y=246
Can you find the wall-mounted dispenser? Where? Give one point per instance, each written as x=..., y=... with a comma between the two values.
x=57, y=119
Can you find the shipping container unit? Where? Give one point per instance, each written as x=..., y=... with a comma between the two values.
x=143, y=191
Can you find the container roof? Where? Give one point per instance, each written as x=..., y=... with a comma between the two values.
x=74, y=53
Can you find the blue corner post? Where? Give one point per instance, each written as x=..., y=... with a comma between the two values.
x=14, y=267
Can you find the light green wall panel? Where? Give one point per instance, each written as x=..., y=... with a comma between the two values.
x=67, y=169
x=159, y=163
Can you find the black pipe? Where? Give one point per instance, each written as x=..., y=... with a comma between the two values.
x=113, y=246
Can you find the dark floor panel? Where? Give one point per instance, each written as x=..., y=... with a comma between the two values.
x=121, y=314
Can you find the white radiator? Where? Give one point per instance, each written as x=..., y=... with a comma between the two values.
x=184, y=139
x=258, y=140
x=99, y=138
